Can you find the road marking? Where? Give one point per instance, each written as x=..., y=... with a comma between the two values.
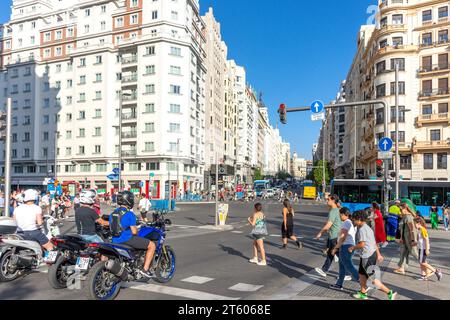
x=239, y=232
x=245, y=287
x=197, y=280
x=275, y=235
x=178, y=292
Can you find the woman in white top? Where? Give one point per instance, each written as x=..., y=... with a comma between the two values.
x=346, y=240
x=29, y=220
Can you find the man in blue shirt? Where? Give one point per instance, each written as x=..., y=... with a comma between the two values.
x=129, y=233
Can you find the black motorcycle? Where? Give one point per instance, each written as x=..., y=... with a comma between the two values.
x=67, y=261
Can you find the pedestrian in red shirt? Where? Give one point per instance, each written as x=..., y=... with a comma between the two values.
x=380, y=233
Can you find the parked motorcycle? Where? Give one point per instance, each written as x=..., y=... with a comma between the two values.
x=67, y=257
x=125, y=263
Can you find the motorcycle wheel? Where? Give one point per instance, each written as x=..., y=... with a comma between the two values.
x=5, y=274
x=165, y=270
x=101, y=284
x=57, y=275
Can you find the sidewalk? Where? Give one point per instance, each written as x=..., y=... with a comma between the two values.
x=407, y=287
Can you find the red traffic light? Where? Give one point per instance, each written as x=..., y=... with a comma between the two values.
x=282, y=107
x=380, y=163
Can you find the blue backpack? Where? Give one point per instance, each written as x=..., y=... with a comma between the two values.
x=115, y=225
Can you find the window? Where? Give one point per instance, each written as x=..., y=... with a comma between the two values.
x=443, y=108
x=69, y=100
x=68, y=117
x=81, y=115
x=174, y=127
x=149, y=88
x=428, y=161
x=154, y=15
x=427, y=109
x=98, y=113
x=174, y=15
x=150, y=127
x=427, y=16
x=98, y=77
x=26, y=153
x=149, y=108
x=443, y=36
x=442, y=161
x=405, y=162
x=58, y=35
x=175, y=89
x=97, y=149
x=175, y=70
x=134, y=19
x=82, y=97
x=381, y=67
x=427, y=87
x=154, y=166
x=97, y=132
x=85, y=167
x=380, y=116
x=401, y=136
x=87, y=12
x=383, y=44
x=427, y=39
x=401, y=87
x=119, y=22
x=435, y=135
x=443, y=61
x=102, y=25
x=47, y=36
x=103, y=8
x=98, y=60
x=68, y=134
x=397, y=19
x=400, y=62
x=149, y=51
x=45, y=119
x=150, y=69
x=68, y=151
x=98, y=95
x=134, y=3
x=47, y=53
x=381, y=90
x=443, y=12
x=149, y=147
x=83, y=62
x=81, y=150
x=175, y=108
x=69, y=66
x=82, y=80
x=175, y=51
x=86, y=28
x=81, y=133
x=101, y=167
x=32, y=40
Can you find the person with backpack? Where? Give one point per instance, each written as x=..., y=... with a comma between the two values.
x=86, y=217
x=124, y=230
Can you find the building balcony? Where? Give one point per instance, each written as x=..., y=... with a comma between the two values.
x=129, y=135
x=395, y=49
x=434, y=93
x=433, y=118
x=369, y=155
x=130, y=79
x=129, y=99
x=433, y=69
x=129, y=153
x=129, y=60
x=431, y=145
x=390, y=3
x=129, y=116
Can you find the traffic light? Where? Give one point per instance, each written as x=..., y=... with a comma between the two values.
x=380, y=169
x=2, y=126
x=283, y=113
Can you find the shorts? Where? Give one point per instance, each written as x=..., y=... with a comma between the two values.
x=138, y=243
x=36, y=235
x=258, y=237
x=422, y=256
x=144, y=214
x=365, y=265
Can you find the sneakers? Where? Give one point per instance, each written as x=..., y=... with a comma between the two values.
x=148, y=274
x=384, y=245
x=336, y=287
x=336, y=259
x=347, y=278
x=439, y=274
x=360, y=296
x=392, y=295
x=320, y=271
x=262, y=263
x=254, y=260
x=422, y=278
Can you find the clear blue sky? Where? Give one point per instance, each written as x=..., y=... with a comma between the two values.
x=293, y=51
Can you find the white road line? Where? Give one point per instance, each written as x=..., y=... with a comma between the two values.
x=178, y=292
x=244, y=287
x=275, y=235
x=239, y=232
x=197, y=280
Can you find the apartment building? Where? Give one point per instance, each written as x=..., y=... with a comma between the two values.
x=298, y=167
x=414, y=35
x=68, y=64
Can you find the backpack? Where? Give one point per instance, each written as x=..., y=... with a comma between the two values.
x=115, y=226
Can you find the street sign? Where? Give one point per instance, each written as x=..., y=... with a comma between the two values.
x=385, y=144
x=385, y=155
x=116, y=170
x=113, y=177
x=318, y=116
x=152, y=175
x=317, y=106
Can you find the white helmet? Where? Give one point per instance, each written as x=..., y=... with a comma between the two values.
x=88, y=197
x=29, y=195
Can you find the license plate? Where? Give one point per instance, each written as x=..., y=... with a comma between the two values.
x=51, y=257
x=82, y=263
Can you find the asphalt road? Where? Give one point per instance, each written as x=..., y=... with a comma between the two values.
x=213, y=265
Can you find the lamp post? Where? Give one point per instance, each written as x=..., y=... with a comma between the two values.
x=397, y=156
x=178, y=167
x=8, y=157
x=120, y=135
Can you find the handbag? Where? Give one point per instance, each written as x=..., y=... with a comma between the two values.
x=260, y=229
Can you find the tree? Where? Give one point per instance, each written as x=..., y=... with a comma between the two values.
x=257, y=175
x=317, y=174
x=282, y=175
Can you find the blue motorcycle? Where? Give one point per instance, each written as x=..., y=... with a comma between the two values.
x=124, y=262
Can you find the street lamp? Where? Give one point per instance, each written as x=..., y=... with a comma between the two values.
x=178, y=167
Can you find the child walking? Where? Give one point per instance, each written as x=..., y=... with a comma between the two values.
x=370, y=256
x=259, y=232
x=424, y=252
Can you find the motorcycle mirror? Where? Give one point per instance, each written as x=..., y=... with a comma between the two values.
x=168, y=222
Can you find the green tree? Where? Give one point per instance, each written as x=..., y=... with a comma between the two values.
x=257, y=175
x=282, y=175
x=317, y=174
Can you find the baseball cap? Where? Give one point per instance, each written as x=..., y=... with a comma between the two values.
x=29, y=195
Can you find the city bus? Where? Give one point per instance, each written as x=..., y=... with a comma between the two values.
x=360, y=194
x=260, y=186
x=309, y=190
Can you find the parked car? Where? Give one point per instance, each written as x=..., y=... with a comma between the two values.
x=270, y=193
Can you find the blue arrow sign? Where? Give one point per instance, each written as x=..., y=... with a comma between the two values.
x=385, y=144
x=317, y=106
x=116, y=170
x=113, y=177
